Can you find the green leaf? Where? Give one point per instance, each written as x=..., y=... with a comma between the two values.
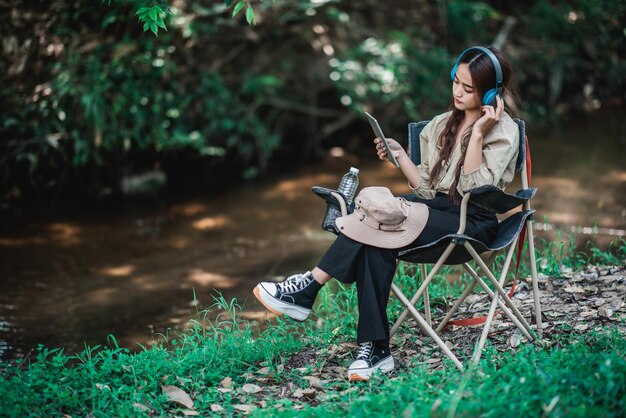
x=160, y=23
x=238, y=7
x=154, y=28
x=250, y=15
x=153, y=13
x=142, y=11
x=146, y=26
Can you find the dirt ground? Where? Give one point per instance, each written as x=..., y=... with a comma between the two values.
x=574, y=303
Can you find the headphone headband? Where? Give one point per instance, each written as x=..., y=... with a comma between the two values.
x=489, y=96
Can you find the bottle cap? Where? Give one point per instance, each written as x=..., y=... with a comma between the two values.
x=354, y=170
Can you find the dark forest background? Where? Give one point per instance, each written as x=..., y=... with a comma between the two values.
x=94, y=106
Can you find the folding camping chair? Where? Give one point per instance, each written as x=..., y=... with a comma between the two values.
x=459, y=249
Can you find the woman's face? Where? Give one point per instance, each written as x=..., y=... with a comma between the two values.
x=463, y=91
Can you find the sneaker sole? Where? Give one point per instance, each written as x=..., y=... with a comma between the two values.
x=363, y=375
x=279, y=307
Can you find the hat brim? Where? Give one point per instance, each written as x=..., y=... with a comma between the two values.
x=352, y=227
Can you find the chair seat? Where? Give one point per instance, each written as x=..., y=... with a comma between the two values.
x=508, y=229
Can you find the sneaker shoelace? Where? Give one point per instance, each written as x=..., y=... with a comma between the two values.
x=295, y=283
x=365, y=351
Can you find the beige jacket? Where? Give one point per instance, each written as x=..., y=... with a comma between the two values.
x=500, y=149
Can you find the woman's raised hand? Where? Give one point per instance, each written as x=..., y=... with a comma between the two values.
x=396, y=148
x=489, y=118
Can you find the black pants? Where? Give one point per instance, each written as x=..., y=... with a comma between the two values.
x=373, y=268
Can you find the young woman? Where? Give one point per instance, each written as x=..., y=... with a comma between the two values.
x=474, y=144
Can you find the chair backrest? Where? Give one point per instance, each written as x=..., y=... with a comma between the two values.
x=415, y=129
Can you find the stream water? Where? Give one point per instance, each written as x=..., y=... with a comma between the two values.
x=75, y=279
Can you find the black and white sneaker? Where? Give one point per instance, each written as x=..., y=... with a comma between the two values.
x=369, y=358
x=293, y=297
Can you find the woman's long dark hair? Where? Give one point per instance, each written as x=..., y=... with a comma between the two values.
x=484, y=78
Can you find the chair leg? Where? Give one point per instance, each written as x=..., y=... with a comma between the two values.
x=499, y=288
x=533, y=270
x=494, y=303
x=506, y=310
x=425, y=327
x=424, y=285
x=467, y=291
x=456, y=305
x=426, y=299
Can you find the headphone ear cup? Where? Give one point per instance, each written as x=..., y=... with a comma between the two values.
x=489, y=98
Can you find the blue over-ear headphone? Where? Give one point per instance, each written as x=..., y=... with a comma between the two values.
x=490, y=95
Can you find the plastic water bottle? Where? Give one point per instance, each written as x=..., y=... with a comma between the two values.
x=349, y=183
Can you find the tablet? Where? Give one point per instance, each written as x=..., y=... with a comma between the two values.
x=379, y=133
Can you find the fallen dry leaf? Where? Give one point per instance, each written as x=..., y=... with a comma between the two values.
x=292, y=387
x=263, y=370
x=514, y=340
x=599, y=302
x=251, y=388
x=574, y=289
x=141, y=407
x=605, y=312
x=190, y=413
x=314, y=382
x=592, y=275
x=226, y=382
x=216, y=408
x=177, y=395
x=244, y=408
x=266, y=380
x=309, y=393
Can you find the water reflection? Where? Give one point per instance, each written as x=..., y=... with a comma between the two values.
x=134, y=275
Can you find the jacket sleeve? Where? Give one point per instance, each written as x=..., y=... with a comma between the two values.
x=499, y=150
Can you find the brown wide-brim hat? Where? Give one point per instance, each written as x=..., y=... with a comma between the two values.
x=382, y=220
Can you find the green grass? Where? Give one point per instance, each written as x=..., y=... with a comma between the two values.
x=577, y=375
x=583, y=376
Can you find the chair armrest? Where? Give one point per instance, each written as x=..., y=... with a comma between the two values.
x=493, y=198
x=463, y=215
x=335, y=207
x=342, y=202
x=334, y=198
